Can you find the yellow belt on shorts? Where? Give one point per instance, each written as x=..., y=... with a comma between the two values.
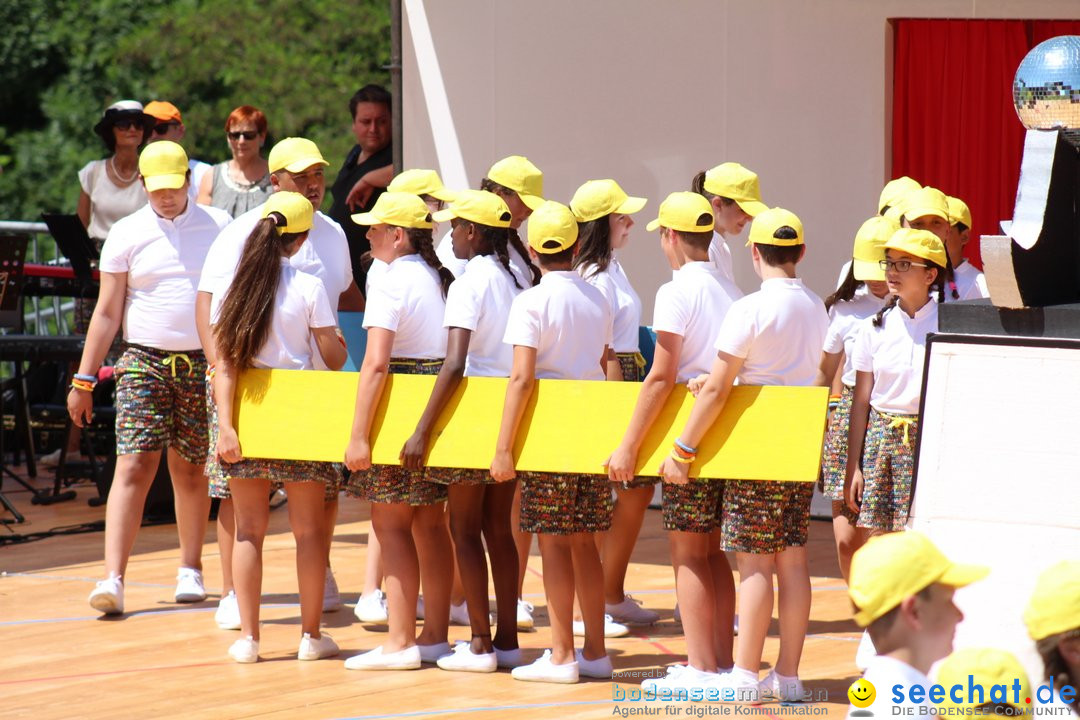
x=170, y=361
x=639, y=359
x=901, y=421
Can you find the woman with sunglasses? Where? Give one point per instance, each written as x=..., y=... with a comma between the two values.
x=110, y=187
x=242, y=183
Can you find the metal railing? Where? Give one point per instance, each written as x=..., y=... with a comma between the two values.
x=42, y=314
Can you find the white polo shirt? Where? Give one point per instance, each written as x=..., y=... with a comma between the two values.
x=895, y=353
x=625, y=303
x=779, y=332
x=693, y=306
x=325, y=254
x=519, y=264
x=720, y=256
x=480, y=301
x=163, y=260
x=846, y=319
x=407, y=300
x=568, y=321
x=883, y=673
x=970, y=283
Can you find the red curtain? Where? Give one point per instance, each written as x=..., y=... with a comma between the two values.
x=954, y=126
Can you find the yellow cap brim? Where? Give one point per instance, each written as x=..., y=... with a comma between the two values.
x=753, y=208
x=443, y=194
x=653, y=225
x=366, y=219
x=918, y=212
x=165, y=182
x=959, y=576
x=533, y=202
x=867, y=270
x=302, y=164
x=439, y=216
x=631, y=205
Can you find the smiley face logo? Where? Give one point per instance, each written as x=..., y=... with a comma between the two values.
x=861, y=693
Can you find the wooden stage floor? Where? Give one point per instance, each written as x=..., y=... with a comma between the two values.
x=61, y=659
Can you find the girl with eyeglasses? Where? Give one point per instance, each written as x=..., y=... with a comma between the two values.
x=242, y=183
x=888, y=360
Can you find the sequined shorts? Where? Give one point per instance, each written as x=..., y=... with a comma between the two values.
x=834, y=454
x=695, y=507
x=560, y=504
x=887, y=464
x=159, y=402
x=765, y=517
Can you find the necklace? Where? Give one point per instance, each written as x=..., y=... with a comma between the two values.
x=125, y=180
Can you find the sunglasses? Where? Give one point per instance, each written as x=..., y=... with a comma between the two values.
x=162, y=128
x=127, y=124
x=899, y=265
x=246, y=134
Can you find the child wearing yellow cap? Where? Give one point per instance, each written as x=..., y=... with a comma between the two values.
x=251, y=332
x=476, y=313
x=771, y=337
x=687, y=317
x=560, y=329
x=735, y=196
x=888, y=360
x=404, y=320
x=901, y=587
x=970, y=282
x=985, y=681
x=848, y=308
x=1052, y=618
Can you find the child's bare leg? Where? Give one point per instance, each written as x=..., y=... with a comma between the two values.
x=393, y=523
x=695, y=592
x=619, y=542
x=307, y=517
x=504, y=562
x=557, y=555
x=466, y=519
x=436, y=557
x=755, y=607
x=848, y=538
x=590, y=593
x=724, y=594
x=252, y=506
x=793, y=576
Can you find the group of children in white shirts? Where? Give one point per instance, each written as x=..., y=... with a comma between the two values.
x=560, y=307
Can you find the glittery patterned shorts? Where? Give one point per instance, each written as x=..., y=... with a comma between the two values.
x=834, y=454
x=695, y=507
x=557, y=504
x=460, y=476
x=393, y=483
x=633, y=366
x=765, y=517
x=159, y=402
x=887, y=464
x=278, y=471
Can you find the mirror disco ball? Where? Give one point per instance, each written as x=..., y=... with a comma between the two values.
x=1046, y=90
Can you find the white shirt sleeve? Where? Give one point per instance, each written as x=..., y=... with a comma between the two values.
x=86, y=177
x=522, y=325
x=462, y=307
x=736, y=332
x=115, y=253
x=320, y=315
x=669, y=315
x=383, y=309
x=834, y=338
x=862, y=354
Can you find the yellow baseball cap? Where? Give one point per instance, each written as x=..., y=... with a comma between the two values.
x=598, y=198
x=163, y=111
x=958, y=211
x=552, y=228
x=894, y=190
x=870, y=247
x=925, y=201
x=684, y=212
x=398, y=209
x=1054, y=604
x=420, y=182
x=521, y=176
x=987, y=667
x=294, y=207
x=478, y=206
x=294, y=155
x=920, y=243
x=163, y=165
x=733, y=181
x=889, y=568
x=764, y=227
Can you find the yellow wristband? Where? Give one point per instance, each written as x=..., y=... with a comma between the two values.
x=684, y=461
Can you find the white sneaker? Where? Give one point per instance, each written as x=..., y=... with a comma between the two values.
x=743, y=683
x=189, y=586
x=612, y=629
x=245, y=650
x=524, y=615
x=866, y=652
x=51, y=460
x=459, y=614
x=407, y=659
x=598, y=668
x=465, y=660
x=508, y=658
x=316, y=648
x=783, y=688
x=227, y=615
x=432, y=653
x=630, y=612
x=543, y=670
x=108, y=596
x=331, y=598
x=371, y=608
x=680, y=677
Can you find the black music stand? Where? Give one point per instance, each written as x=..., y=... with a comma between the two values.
x=73, y=242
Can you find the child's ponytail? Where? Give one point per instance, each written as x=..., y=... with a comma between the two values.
x=499, y=237
x=880, y=316
x=515, y=242
x=847, y=289
x=424, y=246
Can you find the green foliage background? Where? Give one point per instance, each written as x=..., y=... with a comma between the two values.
x=63, y=61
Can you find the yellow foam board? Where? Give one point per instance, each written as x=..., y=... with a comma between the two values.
x=764, y=433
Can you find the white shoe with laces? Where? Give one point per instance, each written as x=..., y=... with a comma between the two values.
x=524, y=615
x=331, y=599
x=680, y=677
x=189, y=586
x=630, y=612
x=371, y=608
x=108, y=596
x=463, y=659
x=407, y=659
x=612, y=629
x=227, y=615
x=543, y=670
x=316, y=648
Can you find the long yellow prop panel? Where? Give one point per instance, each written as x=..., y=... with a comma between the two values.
x=764, y=433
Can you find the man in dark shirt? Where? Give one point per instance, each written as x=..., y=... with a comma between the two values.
x=367, y=170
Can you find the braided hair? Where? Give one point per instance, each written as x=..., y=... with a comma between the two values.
x=424, y=246
x=938, y=284
x=513, y=237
